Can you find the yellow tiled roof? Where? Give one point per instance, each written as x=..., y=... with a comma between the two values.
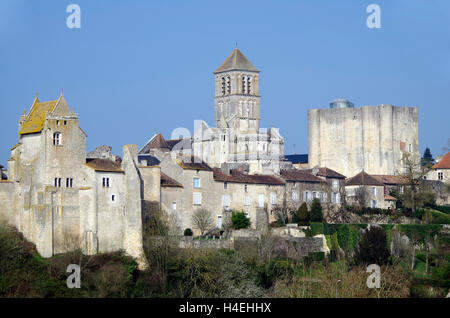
x=36, y=117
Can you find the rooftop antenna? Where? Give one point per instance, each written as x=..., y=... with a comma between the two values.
x=236, y=44
x=294, y=150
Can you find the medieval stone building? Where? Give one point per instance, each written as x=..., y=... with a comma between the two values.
x=62, y=201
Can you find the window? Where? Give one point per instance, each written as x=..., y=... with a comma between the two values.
x=56, y=139
x=228, y=85
x=197, y=198
x=294, y=195
x=305, y=196
x=440, y=175
x=113, y=197
x=333, y=197
x=65, y=122
x=246, y=201
x=373, y=203
x=174, y=205
x=246, y=188
x=225, y=185
x=219, y=221
x=324, y=197
x=273, y=198
x=335, y=184
x=58, y=182
x=249, y=85
x=196, y=182
x=57, y=122
x=226, y=200
x=261, y=200
x=105, y=182
x=69, y=182
x=374, y=190
x=401, y=190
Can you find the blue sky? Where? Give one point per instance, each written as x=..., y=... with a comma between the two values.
x=136, y=67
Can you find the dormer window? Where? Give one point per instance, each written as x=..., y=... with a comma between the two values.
x=56, y=139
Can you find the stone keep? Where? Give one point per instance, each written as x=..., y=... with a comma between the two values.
x=369, y=138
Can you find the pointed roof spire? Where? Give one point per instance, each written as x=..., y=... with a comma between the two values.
x=236, y=61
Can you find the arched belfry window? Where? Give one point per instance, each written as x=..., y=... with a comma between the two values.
x=249, y=85
x=57, y=140
x=228, y=85
x=223, y=85
x=246, y=85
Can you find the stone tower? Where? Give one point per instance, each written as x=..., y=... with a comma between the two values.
x=237, y=100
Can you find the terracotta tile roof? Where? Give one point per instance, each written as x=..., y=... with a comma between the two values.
x=444, y=163
x=36, y=116
x=327, y=173
x=104, y=165
x=236, y=176
x=363, y=178
x=387, y=179
x=388, y=197
x=192, y=163
x=167, y=181
x=299, y=176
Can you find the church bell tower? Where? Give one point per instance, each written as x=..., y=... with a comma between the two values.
x=237, y=100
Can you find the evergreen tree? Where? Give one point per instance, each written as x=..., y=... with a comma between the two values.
x=303, y=214
x=316, y=211
x=427, y=159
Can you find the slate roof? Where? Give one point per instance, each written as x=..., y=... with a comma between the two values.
x=299, y=176
x=363, y=178
x=444, y=163
x=151, y=160
x=167, y=181
x=236, y=61
x=327, y=173
x=297, y=158
x=104, y=165
x=236, y=176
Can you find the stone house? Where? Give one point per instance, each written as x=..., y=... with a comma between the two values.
x=366, y=189
x=441, y=170
x=62, y=201
x=335, y=182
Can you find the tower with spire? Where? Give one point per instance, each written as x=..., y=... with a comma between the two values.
x=237, y=141
x=237, y=100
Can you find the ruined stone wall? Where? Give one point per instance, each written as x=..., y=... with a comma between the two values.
x=370, y=138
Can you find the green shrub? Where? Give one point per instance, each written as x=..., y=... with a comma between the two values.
x=372, y=247
x=239, y=220
x=303, y=214
x=316, y=211
x=188, y=232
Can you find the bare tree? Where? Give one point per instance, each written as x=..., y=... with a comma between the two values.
x=362, y=196
x=413, y=173
x=202, y=220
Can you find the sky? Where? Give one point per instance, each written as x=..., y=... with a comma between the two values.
x=139, y=67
